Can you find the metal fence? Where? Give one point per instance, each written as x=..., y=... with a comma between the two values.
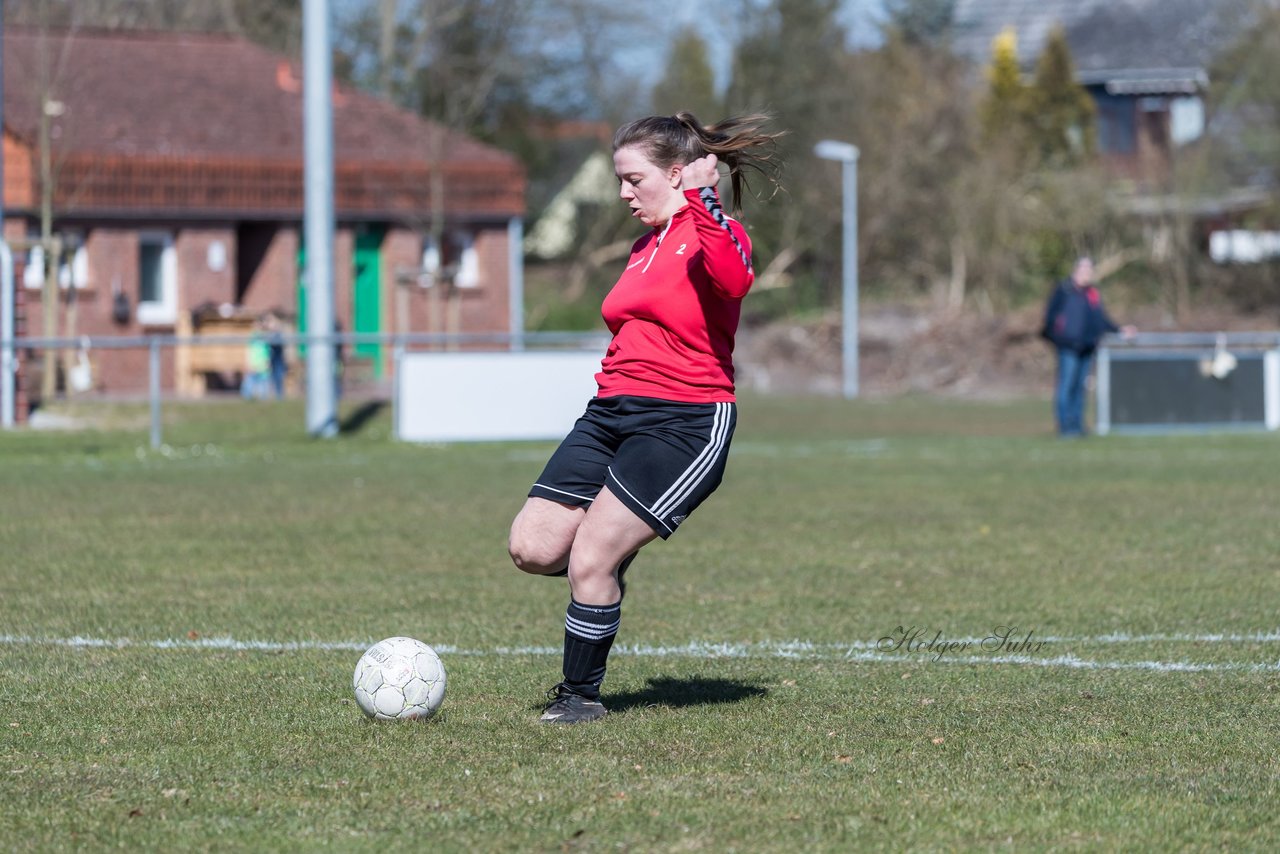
x=24, y=352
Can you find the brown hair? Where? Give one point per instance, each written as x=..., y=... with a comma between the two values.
x=740, y=142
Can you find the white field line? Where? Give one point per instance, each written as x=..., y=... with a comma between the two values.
x=857, y=651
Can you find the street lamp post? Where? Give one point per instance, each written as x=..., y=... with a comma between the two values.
x=847, y=156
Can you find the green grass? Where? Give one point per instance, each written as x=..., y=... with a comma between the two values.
x=787, y=730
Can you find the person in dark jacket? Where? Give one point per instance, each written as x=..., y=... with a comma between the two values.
x=1074, y=322
x=275, y=346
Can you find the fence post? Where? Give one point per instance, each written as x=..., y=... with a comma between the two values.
x=154, y=365
x=8, y=367
x=398, y=358
x=1102, y=416
x=1271, y=388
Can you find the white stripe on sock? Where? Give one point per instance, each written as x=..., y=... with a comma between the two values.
x=590, y=631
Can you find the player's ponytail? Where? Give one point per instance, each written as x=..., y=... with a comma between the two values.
x=740, y=142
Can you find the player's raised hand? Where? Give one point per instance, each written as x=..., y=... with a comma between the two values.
x=700, y=173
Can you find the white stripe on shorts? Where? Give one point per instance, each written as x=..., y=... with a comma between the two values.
x=562, y=492
x=698, y=469
x=661, y=521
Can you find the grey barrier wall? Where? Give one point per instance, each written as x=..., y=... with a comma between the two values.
x=1179, y=382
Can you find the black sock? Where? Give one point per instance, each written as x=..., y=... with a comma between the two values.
x=588, y=635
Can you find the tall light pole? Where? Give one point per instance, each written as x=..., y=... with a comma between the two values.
x=8, y=382
x=847, y=156
x=317, y=109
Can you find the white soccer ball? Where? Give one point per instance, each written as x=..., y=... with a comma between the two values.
x=399, y=679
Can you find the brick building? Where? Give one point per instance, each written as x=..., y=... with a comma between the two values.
x=177, y=188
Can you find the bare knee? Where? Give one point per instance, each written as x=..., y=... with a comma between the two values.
x=541, y=538
x=534, y=555
x=590, y=560
x=609, y=533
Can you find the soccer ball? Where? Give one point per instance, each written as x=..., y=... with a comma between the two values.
x=399, y=679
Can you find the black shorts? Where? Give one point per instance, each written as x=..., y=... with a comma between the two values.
x=660, y=458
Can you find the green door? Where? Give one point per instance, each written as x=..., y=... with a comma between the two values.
x=301, y=324
x=367, y=294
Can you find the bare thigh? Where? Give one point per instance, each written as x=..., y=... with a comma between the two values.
x=609, y=532
x=542, y=535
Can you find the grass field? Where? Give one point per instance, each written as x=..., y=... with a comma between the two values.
x=178, y=631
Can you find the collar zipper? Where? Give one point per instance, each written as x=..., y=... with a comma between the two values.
x=657, y=245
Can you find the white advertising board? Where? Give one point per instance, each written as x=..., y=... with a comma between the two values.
x=484, y=397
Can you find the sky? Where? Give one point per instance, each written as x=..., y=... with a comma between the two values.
x=859, y=17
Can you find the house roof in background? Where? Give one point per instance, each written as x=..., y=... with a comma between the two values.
x=162, y=94
x=1106, y=35
x=978, y=22
x=1155, y=34
x=1146, y=81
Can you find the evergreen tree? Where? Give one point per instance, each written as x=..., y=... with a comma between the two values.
x=689, y=82
x=1004, y=110
x=1061, y=113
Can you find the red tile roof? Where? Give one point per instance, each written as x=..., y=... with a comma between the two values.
x=201, y=96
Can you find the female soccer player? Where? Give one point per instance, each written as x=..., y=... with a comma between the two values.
x=652, y=444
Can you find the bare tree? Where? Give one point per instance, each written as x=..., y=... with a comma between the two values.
x=47, y=77
x=274, y=23
x=492, y=69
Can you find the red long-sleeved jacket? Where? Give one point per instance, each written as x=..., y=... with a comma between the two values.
x=675, y=310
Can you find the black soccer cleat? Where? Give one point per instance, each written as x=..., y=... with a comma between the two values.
x=566, y=707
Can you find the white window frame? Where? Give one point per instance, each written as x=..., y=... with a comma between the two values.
x=1186, y=119
x=76, y=270
x=430, y=271
x=33, y=273
x=162, y=312
x=468, y=275
x=463, y=268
